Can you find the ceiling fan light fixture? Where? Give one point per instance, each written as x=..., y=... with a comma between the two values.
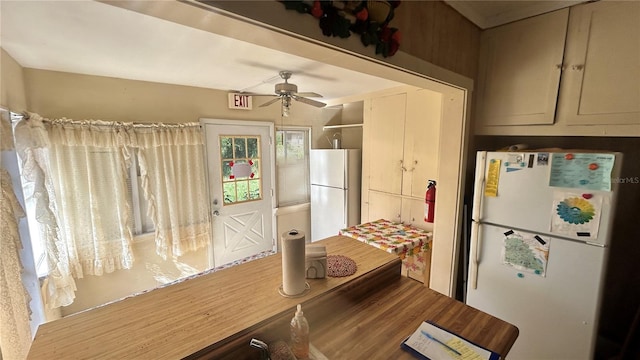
x=286, y=106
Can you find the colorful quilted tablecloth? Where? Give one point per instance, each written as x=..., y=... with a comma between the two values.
x=408, y=242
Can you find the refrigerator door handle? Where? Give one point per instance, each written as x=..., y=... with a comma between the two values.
x=345, y=204
x=474, y=254
x=476, y=215
x=478, y=186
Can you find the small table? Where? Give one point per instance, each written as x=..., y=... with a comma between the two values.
x=411, y=244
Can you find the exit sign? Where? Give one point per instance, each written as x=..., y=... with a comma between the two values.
x=240, y=101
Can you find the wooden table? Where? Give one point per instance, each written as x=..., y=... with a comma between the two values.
x=218, y=312
x=374, y=326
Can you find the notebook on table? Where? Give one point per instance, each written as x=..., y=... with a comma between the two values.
x=432, y=342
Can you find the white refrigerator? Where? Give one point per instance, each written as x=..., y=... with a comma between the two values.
x=540, y=234
x=335, y=190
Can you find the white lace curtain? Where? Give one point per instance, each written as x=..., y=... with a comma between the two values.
x=15, y=331
x=79, y=172
x=174, y=183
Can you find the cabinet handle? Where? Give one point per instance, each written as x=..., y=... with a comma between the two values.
x=577, y=67
x=415, y=162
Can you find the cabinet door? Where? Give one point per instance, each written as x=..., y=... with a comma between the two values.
x=601, y=82
x=384, y=206
x=413, y=214
x=385, y=143
x=421, y=141
x=519, y=74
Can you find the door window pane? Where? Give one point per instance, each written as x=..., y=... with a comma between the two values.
x=252, y=147
x=241, y=172
x=242, y=189
x=226, y=147
x=240, y=148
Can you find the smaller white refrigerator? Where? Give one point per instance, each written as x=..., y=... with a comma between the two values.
x=335, y=190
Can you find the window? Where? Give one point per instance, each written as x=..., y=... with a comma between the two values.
x=292, y=164
x=241, y=175
x=139, y=221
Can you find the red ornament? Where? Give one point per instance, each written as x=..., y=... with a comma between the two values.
x=587, y=196
x=252, y=175
x=231, y=163
x=569, y=156
x=232, y=176
x=363, y=14
x=316, y=11
x=593, y=166
x=250, y=162
x=395, y=42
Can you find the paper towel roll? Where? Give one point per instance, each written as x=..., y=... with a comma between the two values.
x=293, y=262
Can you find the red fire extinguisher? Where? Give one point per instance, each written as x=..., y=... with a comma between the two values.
x=430, y=201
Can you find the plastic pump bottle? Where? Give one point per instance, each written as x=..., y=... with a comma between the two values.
x=300, y=335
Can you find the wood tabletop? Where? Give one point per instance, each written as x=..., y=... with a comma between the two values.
x=373, y=326
x=213, y=316
x=178, y=320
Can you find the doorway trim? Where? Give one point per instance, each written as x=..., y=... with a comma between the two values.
x=404, y=68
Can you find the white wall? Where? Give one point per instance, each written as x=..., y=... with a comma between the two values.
x=296, y=217
x=12, y=93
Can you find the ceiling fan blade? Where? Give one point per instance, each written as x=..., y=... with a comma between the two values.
x=309, y=101
x=270, y=102
x=252, y=93
x=308, y=94
x=249, y=93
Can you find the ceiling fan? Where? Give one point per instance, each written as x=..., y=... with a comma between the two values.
x=286, y=91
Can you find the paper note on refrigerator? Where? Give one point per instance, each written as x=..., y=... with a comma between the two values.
x=576, y=214
x=581, y=171
x=493, y=176
x=526, y=251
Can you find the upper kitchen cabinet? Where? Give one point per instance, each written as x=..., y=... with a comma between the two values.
x=519, y=70
x=601, y=81
x=594, y=74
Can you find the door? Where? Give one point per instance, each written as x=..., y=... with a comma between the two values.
x=556, y=313
x=240, y=168
x=328, y=211
x=385, y=143
x=384, y=206
x=600, y=84
x=525, y=199
x=421, y=141
x=519, y=70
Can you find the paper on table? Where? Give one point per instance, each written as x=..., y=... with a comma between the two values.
x=434, y=350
